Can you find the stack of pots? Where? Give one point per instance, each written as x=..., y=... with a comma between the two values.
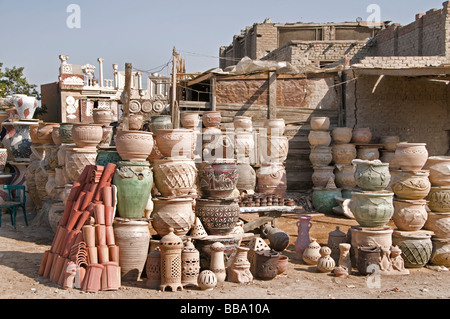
x=388, y=151
x=175, y=177
x=438, y=219
x=343, y=153
x=321, y=156
x=411, y=186
x=244, y=151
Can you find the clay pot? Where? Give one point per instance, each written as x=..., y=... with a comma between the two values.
x=368, y=153
x=239, y=271
x=439, y=199
x=246, y=182
x=266, y=264
x=19, y=143
x=368, y=259
x=3, y=159
x=102, y=116
x=175, y=142
x=153, y=269
x=190, y=121
x=24, y=105
x=320, y=123
x=335, y=238
x=389, y=157
x=134, y=181
x=171, y=247
x=440, y=255
x=133, y=238
x=389, y=142
x=439, y=223
x=218, y=216
x=413, y=185
x=65, y=133
x=76, y=161
x=244, y=147
x=368, y=237
x=175, y=176
x=311, y=253
x=342, y=135
x=273, y=148
x=55, y=135
x=203, y=244
x=361, y=135
x=343, y=153
x=411, y=156
x=283, y=264
x=278, y=239
x=207, y=280
x=134, y=146
x=321, y=175
x=175, y=213
x=372, y=209
x=345, y=176
x=217, y=265
x=275, y=126
x=416, y=247
x=243, y=123
x=271, y=178
x=439, y=168
x=303, y=224
x=107, y=156
x=323, y=199
x=218, y=179
x=322, y=138
x=107, y=136
x=160, y=122
x=211, y=119
x=325, y=263
x=190, y=264
x=87, y=135
x=371, y=175
x=320, y=155
x=135, y=121
x=409, y=215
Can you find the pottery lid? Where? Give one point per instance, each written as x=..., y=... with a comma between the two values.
x=189, y=246
x=337, y=233
x=171, y=240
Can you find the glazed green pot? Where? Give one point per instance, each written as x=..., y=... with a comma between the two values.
x=372, y=209
x=104, y=157
x=416, y=247
x=323, y=199
x=65, y=133
x=134, y=182
x=160, y=122
x=372, y=175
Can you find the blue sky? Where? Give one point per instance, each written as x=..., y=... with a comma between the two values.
x=34, y=33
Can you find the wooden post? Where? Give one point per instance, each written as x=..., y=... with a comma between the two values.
x=174, y=109
x=213, y=93
x=126, y=95
x=272, y=95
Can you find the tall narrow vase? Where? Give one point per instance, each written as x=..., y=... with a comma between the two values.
x=304, y=225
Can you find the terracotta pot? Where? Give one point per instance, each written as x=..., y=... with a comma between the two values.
x=413, y=185
x=65, y=133
x=87, y=135
x=372, y=209
x=243, y=123
x=439, y=168
x=439, y=199
x=176, y=213
x=321, y=123
x=283, y=264
x=343, y=153
x=325, y=263
x=134, y=146
x=389, y=142
x=321, y=175
x=246, y=182
x=371, y=175
x=266, y=264
x=368, y=259
x=342, y=135
x=231, y=242
x=135, y=121
x=33, y=134
x=218, y=216
x=153, y=269
x=175, y=176
x=160, y=122
x=439, y=223
x=175, y=142
x=411, y=156
x=273, y=149
x=217, y=180
x=133, y=238
x=102, y=116
x=361, y=135
x=275, y=126
x=320, y=155
x=367, y=237
x=244, y=147
x=76, y=161
x=171, y=248
x=416, y=247
x=190, y=121
x=211, y=119
x=368, y=153
x=335, y=239
x=55, y=135
x=322, y=138
x=389, y=157
x=190, y=264
x=440, y=255
x=239, y=271
x=409, y=215
x=271, y=179
x=345, y=176
x=323, y=199
x=311, y=253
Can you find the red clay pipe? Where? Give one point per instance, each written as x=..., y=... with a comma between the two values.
x=70, y=240
x=106, y=178
x=73, y=219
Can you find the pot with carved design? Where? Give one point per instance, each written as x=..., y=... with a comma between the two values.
x=175, y=213
x=371, y=175
x=135, y=121
x=320, y=155
x=372, y=208
x=439, y=168
x=361, y=135
x=416, y=247
x=409, y=215
x=343, y=153
x=102, y=116
x=211, y=119
x=218, y=216
x=412, y=185
x=439, y=224
x=134, y=146
x=440, y=255
x=175, y=142
x=86, y=134
x=367, y=237
x=65, y=133
x=217, y=179
x=175, y=176
x=439, y=199
x=271, y=178
x=411, y=156
x=322, y=138
x=76, y=161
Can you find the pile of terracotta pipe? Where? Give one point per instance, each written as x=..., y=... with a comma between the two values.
x=83, y=253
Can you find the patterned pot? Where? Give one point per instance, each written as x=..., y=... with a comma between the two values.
x=160, y=122
x=87, y=135
x=345, y=176
x=246, y=178
x=217, y=180
x=439, y=223
x=322, y=175
x=320, y=155
x=175, y=142
x=410, y=214
x=322, y=138
x=76, y=160
x=25, y=105
x=368, y=153
x=175, y=176
x=372, y=209
x=413, y=185
x=368, y=258
x=439, y=168
x=243, y=123
x=203, y=244
x=3, y=159
x=416, y=247
x=320, y=123
x=439, y=199
x=341, y=135
x=190, y=121
x=273, y=149
x=134, y=146
x=323, y=199
x=266, y=264
x=218, y=216
x=211, y=119
x=102, y=116
x=367, y=237
x=440, y=255
x=311, y=254
x=134, y=181
x=389, y=142
x=176, y=213
x=275, y=126
x=361, y=135
x=325, y=263
x=371, y=175
x=343, y=153
x=55, y=135
x=271, y=178
x=20, y=142
x=65, y=133
x=411, y=156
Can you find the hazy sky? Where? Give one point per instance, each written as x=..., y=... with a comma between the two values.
x=34, y=33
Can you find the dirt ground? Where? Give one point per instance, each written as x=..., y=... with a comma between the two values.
x=21, y=251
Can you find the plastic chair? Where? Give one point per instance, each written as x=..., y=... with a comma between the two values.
x=16, y=198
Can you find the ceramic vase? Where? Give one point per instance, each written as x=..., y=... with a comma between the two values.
x=409, y=215
x=203, y=244
x=325, y=263
x=271, y=178
x=372, y=209
x=171, y=247
x=343, y=153
x=244, y=147
x=320, y=155
x=217, y=265
x=24, y=105
x=135, y=121
x=283, y=264
x=87, y=135
x=411, y=156
x=107, y=156
x=20, y=140
x=345, y=256
x=190, y=120
x=134, y=146
x=175, y=176
x=322, y=138
x=320, y=123
x=439, y=170
x=311, y=254
x=303, y=240
x=324, y=199
x=76, y=161
x=218, y=216
x=211, y=119
x=367, y=237
x=342, y=135
x=266, y=264
x=273, y=148
x=416, y=247
x=372, y=175
x=172, y=213
x=217, y=180
x=361, y=135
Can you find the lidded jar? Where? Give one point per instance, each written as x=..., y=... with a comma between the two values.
x=171, y=246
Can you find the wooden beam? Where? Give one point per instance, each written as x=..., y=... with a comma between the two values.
x=174, y=108
x=127, y=95
x=272, y=95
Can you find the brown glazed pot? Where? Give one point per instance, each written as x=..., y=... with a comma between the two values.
x=173, y=213
x=411, y=156
x=368, y=259
x=361, y=135
x=218, y=179
x=87, y=135
x=175, y=176
x=266, y=264
x=175, y=142
x=218, y=216
x=134, y=146
x=409, y=215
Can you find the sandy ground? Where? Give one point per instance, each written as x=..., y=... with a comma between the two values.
x=21, y=251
